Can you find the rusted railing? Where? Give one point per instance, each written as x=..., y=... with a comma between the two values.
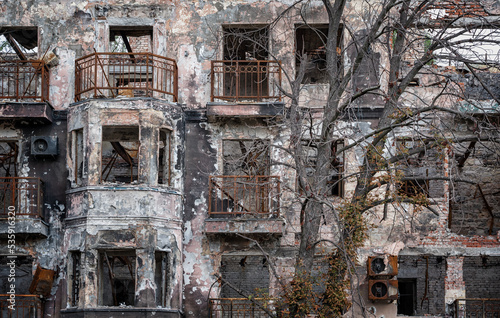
x=24, y=80
x=476, y=308
x=238, y=308
x=111, y=75
x=23, y=196
x=258, y=196
x=26, y=306
x=236, y=81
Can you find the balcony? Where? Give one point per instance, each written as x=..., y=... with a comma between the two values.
x=239, y=307
x=22, y=198
x=112, y=75
x=245, y=88
x=26, y=306
x=244, y=204
x=24, y=90
x=476, y=307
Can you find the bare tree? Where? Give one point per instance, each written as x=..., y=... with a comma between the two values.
x=422, y=59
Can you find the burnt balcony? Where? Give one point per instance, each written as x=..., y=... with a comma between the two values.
x=245, y=88
x=21, y=206
x=244, y=204
x=476, y=307
x=24, y=90
x=112, y=75
x=25, y=306
x=240, y=307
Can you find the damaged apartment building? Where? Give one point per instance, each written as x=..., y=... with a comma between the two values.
x=143, y=152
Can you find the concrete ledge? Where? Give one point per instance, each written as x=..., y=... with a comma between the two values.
x=25, y=226
x=245, y=226
x=38, y=112
x=254, y=110
x=129, y=312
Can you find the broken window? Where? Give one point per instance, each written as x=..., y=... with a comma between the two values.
x=164, y=157
x=19, y=43
x=335, y=176
x=136, y=39
x=23, y=273
x=246, y=157
x=246, y=70
x=9, y=158
x=120, y=154
x=414, y=187
x=310, y=44
x=162, y=275
x=77, y=154
x=74, y=278
x=118, y=278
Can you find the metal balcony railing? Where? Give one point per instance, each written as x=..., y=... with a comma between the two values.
x=476, y=308
x=238, y=308
x=236, y=81
x=109, y=75
x=23, y=196
x=26, y=306
x=258, y=196
x=24, y=80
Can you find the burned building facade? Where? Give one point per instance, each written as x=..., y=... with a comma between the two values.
x=145, y=172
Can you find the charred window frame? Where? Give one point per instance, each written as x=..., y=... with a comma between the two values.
x=9, y=158
x=162, y=278
x=74, y=277
x=165, y=157
x=335, y=179
x=120, y=154
x=246, y=157
x=117, y=278
x=77, y=154
x=310, y=43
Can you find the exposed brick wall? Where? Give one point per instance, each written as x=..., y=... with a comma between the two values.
x=245, y=272
x=415, y=267
x=481, y=276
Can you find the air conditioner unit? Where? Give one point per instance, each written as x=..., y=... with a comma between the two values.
x=384, y=265
x=383, y=289
x=44, y=146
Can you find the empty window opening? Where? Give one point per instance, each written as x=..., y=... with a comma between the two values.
x=135, y=39
x=162, y=279
x=9, y=158
x=246, y=69
x=310, y=45
x=407, y=296
x=118, y=278
x=164, y=157
x=74, y=275
x=246, y=157
x=120, y=154
x=77, y=154
x=336, y=167
x=23, y=274
x=19, y=43
x=414, y=187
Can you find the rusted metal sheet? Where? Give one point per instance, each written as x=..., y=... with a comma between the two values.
x=42, y=281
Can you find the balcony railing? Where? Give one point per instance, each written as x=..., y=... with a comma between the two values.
x=476, y=308
x=24, y=81
x=239, y=308
x=237, y=81
x=256, y=196
x=109, y=75
x=26, y=306
x=23, y=196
